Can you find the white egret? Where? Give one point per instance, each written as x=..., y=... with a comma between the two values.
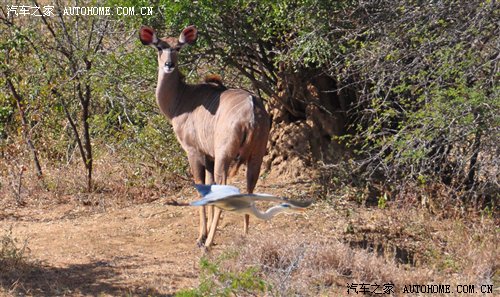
x=229, y=198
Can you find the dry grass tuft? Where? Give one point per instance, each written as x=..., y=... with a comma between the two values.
x=300, y=265
x=294, y=265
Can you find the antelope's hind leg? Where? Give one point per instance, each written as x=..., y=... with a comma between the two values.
x=253, y=172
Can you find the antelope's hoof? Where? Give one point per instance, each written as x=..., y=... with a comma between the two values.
x=205, y=250
x=200, y=242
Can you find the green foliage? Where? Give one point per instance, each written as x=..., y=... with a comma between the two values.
x=417, y=84
x=432, y=106
x=215, y=281
x=253, y=37
x=123, y=115
x=382, y=201
x=5, y=115
x=155, y=142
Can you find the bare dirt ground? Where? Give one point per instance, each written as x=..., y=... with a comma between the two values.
x=148, y=249
x=141, y=249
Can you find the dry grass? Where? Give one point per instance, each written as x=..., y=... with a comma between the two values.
x=295, y=266
x=116, y=183
x=302, y=264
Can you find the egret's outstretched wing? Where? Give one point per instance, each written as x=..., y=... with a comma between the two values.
x=231, y=202
x=267, y=197
x=226, y=198
x=216, y=191
x=213, y=193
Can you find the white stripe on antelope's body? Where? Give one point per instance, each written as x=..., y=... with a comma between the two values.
x=212, y=123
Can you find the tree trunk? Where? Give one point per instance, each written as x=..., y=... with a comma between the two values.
x=26, y=133
x=86, y=140
x=473, y=160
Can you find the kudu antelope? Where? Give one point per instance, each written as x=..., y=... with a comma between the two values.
x=218, y=128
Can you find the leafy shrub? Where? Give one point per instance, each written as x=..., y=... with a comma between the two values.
x=429, y=109
x=215, y=281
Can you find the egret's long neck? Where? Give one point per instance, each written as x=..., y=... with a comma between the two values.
x=271, y=212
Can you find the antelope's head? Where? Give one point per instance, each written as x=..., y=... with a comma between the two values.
x=168, y=47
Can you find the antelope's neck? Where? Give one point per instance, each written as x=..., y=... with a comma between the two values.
x=168, y=92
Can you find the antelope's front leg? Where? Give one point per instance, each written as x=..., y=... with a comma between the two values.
x=209, y=180
x=196, y=163
x=246, y=223
x=200, y=241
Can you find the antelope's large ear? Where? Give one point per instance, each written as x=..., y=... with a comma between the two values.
x=147, y=35
x=188, y=35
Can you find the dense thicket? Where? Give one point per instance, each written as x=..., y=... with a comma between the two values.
x=408, y=90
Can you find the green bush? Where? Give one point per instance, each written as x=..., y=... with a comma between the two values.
x=216, y=281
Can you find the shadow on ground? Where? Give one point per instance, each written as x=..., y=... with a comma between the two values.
x=91, y=279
